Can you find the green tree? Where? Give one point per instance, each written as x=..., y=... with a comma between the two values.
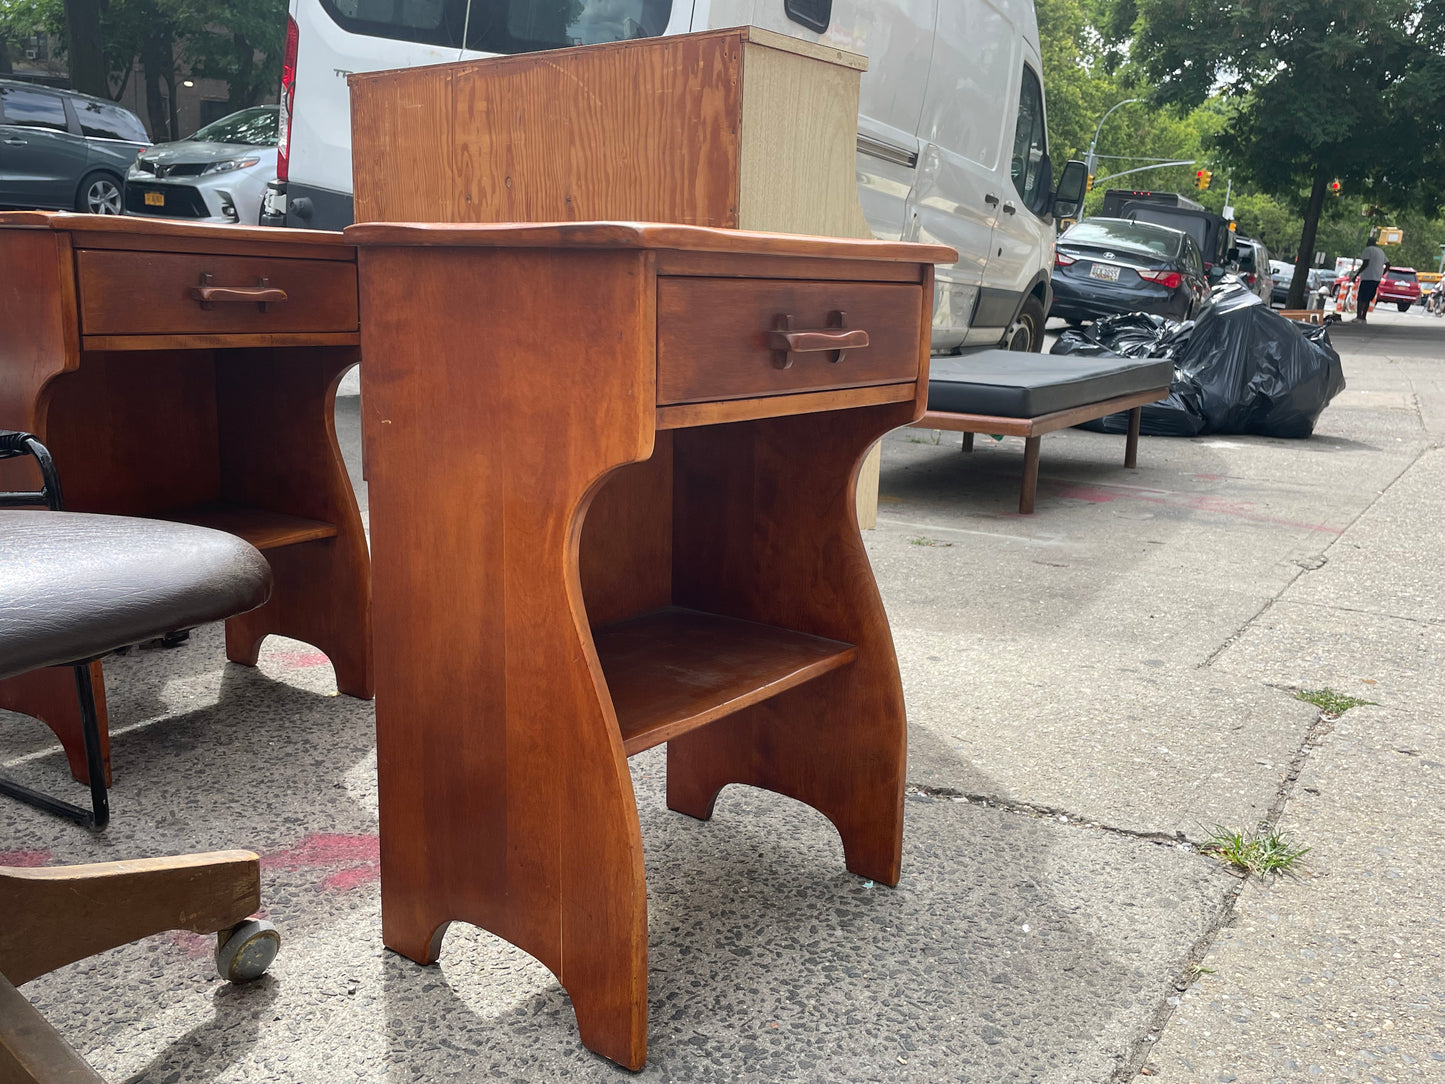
x=1317, y=90
x=238, y=41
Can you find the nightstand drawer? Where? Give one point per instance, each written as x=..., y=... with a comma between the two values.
x=720, y=338
x=148, y=293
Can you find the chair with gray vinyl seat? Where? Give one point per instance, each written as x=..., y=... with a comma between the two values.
x=76, y=586
x=73, y=587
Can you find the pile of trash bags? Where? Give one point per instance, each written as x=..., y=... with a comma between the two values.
x=1239, y=367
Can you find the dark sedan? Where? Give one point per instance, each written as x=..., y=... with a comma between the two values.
x=1105, y=266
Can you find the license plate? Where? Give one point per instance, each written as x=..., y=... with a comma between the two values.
x=1104, y=271
x=158, y=199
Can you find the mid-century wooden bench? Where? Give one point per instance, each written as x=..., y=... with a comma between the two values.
x=1007, y=393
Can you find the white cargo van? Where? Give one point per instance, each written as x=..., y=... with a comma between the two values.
x=951, y=136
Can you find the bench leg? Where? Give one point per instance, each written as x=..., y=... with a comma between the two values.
x=1031, y=475
x=968, y=442
x=1131, y=446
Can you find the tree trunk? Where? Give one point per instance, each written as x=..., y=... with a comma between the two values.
x=155, y=58
x=82, y=38
x=240, y=92
x=175, y=118
x=1296, y=299
x=5, y=68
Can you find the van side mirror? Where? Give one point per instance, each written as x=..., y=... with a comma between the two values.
x=1069, y=196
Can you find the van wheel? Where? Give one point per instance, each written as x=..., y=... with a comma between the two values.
x=1027, y=333
x=98, y=194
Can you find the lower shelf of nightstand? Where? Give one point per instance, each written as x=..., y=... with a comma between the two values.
x=673, y=670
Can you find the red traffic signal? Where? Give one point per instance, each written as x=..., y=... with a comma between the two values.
x=1335, y=188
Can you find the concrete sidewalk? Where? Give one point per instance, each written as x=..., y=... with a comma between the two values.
x=1091, y=689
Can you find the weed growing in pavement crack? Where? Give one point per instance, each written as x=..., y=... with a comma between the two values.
x=1256, y=853
x=928, y=542
x=1330, y=702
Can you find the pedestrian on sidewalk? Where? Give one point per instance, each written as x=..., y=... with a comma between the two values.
x=1369, y=273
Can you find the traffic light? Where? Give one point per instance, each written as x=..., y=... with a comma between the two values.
x=1334, y=188
x=1089, y=185
x=1202, y=178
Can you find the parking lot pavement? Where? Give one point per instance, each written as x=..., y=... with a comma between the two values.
x=1090, y=690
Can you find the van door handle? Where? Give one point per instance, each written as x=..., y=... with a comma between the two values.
x=1010, y=209
x=12, y=142
x=990, y=199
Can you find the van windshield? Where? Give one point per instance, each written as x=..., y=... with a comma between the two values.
x=502, y=26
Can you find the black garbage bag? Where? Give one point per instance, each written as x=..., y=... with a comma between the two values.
x=1239, y=367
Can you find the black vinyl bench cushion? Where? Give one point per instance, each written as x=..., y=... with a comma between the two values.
x=75, y=585
x=1013, y=384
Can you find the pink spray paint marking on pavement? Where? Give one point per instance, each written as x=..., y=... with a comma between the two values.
x=353, y=860
x=301, y=660
x=1201, y=502
x=26, y=859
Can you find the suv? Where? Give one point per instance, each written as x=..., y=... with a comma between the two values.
x=60, y=150
x=1400, y=286
x=1254, y=270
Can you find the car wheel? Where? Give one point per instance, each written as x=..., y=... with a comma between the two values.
x=1027, y=333
x=99, y=194
x=1403, y=306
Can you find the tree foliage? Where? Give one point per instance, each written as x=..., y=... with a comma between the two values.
x=1315, y=90
x=238, y=41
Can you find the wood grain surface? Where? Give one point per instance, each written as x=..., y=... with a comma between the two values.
x=187, y=417
x=591, y=587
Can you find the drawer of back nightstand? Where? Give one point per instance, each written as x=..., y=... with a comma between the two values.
x=150, y=293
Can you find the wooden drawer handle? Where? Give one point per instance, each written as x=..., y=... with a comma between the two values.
x=262, y=294
x=836, y=338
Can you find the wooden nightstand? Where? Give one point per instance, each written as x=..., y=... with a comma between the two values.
x=611, y=473
x=188, y=372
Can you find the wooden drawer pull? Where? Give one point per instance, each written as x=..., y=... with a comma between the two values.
x=836, y=338
x=261, y=293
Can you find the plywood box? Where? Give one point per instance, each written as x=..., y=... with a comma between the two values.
x=741, y=129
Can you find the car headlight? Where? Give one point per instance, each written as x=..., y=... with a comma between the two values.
x=230, y=164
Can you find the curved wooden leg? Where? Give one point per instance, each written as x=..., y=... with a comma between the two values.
x=770, y=535
x=312, y=602
x=49, y=695
x=277, y=431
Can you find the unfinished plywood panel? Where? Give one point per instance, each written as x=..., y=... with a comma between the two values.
x=731, y=128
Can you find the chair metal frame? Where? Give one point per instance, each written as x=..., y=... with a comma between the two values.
x=13, y=444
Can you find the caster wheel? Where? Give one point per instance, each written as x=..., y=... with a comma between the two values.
x=245, y=951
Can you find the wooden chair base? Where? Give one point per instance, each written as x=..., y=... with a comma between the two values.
x=1033, y=429
x=57, y=915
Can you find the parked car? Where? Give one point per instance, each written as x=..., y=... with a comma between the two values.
x=1253, y=267
x=1282, y=274
x=64, y=151
x=1400, y=287
x=219, y=174
x=1104, y=266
